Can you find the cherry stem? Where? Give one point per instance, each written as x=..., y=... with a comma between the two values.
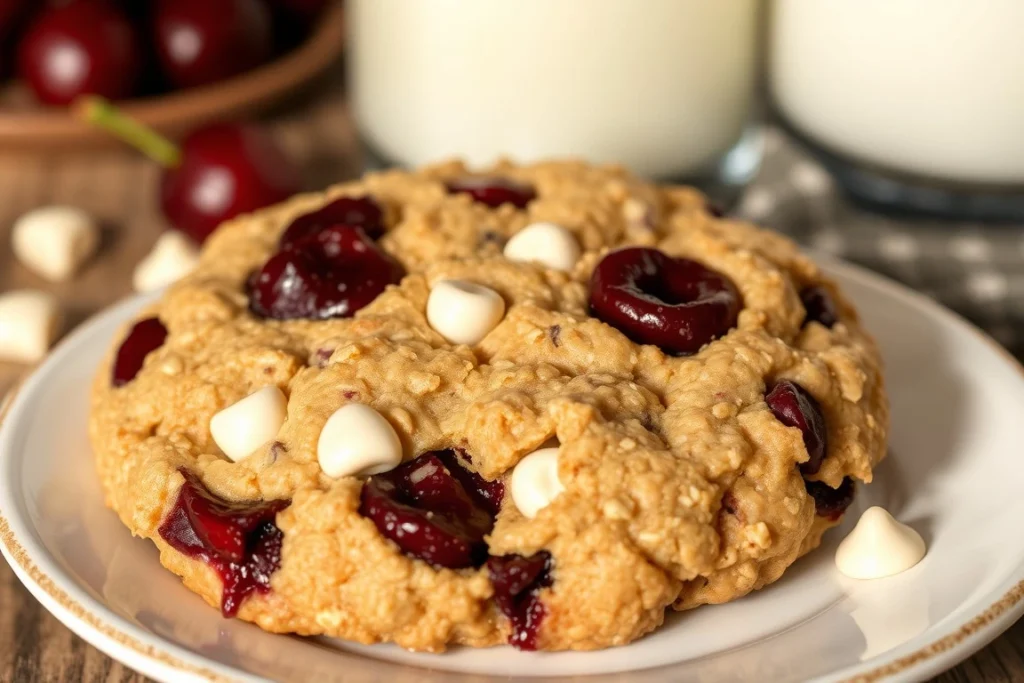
x=102, y=114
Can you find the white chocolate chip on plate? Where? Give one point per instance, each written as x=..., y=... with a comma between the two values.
x=879, y=546
x=173, y=257
x=464, y=312
x=358, y=441
x=244, y=426
x=534, y=482
x=54, y=241
x=29, y=322
x=548, y=244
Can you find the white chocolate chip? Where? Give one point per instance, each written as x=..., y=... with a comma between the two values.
x=29, y=322
x=534, y=482
x=879, y=546
x=464, y=312
x=358, y=441
x=173, y=257
x=244, y=426
x=54, y=241
x=548, y=244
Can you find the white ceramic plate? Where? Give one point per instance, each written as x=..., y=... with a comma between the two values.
x=955, y=473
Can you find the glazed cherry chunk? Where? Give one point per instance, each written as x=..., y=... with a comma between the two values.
x=819, y=306
x=240, y=541
x=794, y=407
x=829, y=502
x=424, y=507
x=146, y=336
x=674, y=303
x=517, y=584
x=356, y=212
x=494, y=191
x=330, y=273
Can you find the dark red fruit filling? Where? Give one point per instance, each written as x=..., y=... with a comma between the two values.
x=331, y=273
x=830, y=502
x=794, y=407
x=674, y=303
x=423, y=506
x=819, y=306
x=486, y=494
x=494, y=191
x=239, y=540
x=356, y=212
x=517, y=583
x=146, y=336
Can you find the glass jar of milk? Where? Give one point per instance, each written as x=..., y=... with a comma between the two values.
x=912, y=103
x=663, y=86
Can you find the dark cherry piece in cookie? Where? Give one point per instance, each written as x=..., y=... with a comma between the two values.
x=819, y=306
x=331, y=273
x=239, y=540
x=423, y=506
x=830, y=502
x=146, y=336
x=517, y=584
x=356, y=212
x=494, y=191
x=794, y=407
x=653, y=298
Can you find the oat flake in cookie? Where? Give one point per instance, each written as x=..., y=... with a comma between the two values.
x=711, y=424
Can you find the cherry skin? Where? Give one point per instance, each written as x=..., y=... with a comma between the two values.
x=305, y=10
x=794, y=407
x=225, y=170
x=11, y=14
x=517, y=582
x=357, y=212
x=204, y=41
x=819, y=306
x=146, y=336
x=652, y=298
x=84, y=47
x=494, y=191
x=330, y=274
x=829, y=502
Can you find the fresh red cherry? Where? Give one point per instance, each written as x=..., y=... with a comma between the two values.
x=225, y=170
x=794, y=407
x=356, y=212
x=494, y=191
x=829, y=502
x=652, y=298
x=517, y=582
x=204, y=41
x=423, y=507
x=146, y=336
x=239, y=540
x=819, y=306
x=330, y=274
x=87, y=46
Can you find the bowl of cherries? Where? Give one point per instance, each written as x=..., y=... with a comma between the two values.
x=172, y=65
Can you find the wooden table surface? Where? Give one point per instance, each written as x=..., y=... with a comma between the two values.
x=120, y=188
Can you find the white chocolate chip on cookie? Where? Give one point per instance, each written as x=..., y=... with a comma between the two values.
x=464, y=312
x=244, y=426
x=357, y=441
x=173, y=257
x=29, y=322
x=548, y=244
x=534, y=482
x=54, y=241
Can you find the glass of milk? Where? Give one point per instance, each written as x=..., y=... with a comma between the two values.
x=913, y=104
x=665, y=87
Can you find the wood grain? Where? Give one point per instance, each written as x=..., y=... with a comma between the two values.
x=120, y=189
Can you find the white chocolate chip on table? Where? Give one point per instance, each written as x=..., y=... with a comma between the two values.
x=173, y=257
x=29, y=322
x=548, y=244
x=357, y=441
x=54, y=241
x=464, y=312
x=879, y=546
x=534, y=483
x=244, y=426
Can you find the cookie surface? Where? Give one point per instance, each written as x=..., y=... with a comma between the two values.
x=679, y=484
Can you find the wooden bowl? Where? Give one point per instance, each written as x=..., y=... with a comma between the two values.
x=27, y=126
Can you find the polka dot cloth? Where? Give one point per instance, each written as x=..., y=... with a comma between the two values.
x=975, y=269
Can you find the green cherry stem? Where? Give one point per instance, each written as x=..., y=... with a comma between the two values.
x=99, y=112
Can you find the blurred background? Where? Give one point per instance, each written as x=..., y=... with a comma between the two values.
x=889, y=133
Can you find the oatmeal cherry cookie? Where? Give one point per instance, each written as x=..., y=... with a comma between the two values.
x=537, y=405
